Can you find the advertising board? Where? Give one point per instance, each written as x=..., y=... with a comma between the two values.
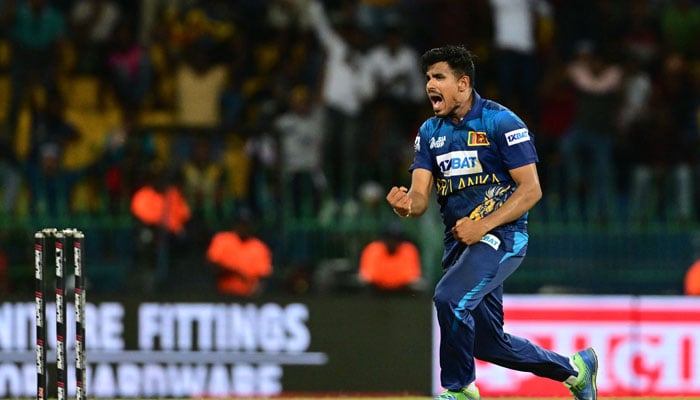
x=645, y=345
x=352, y=344
x=212, y=349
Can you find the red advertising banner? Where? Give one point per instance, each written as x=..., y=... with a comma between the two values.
x=646, y=345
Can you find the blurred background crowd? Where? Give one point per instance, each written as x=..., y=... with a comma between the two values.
x=154, y=124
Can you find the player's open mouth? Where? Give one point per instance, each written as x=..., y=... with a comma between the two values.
x=436, y=99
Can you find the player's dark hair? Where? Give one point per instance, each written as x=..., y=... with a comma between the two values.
x=458, y=58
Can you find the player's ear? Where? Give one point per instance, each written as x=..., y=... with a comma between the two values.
x=464, y=83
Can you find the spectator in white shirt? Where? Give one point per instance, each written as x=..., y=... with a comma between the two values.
x=393, y=67
x=398, y=92
x=345, y=88
x=515, y=38
x=300, y=140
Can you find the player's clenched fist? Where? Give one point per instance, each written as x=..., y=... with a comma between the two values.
x=400, y=201
x=467, y=231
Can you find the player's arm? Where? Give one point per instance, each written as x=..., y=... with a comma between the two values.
x=527, y=193
x=412, y=202
x=525, y=196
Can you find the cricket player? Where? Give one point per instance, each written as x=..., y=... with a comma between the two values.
x=482, y=160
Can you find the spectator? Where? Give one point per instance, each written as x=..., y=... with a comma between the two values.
x=303, y=62
x=261, y=152
x=161, y=213
x=37, y=33
x=242, y=259
x=300, y=138
x=50, y=184
x=589, y=142
x=170, y=28
x=666, y=156
x=151, y=16
x=393, y=113
x=129, y=68
x=601, y=21
x=284, y=14
x=391, y=263
x=642, y=36
x=165, y=207
x=199, y=86
x=635, y=123
x=403, y=80
x=129, y=160
x=557, y=109
x=265, y=100
x=635, y=95
x=345, y=89
x=48, y=125
x=516, y=25
x=199, y=83
x=203, y=182
x=374, y=16
x=92, y=24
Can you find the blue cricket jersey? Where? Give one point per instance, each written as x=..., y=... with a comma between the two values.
x=470, y=162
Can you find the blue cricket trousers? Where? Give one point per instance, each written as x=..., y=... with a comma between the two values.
x=469, y=304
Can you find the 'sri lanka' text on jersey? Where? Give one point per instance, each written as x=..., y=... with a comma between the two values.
x=470, y=160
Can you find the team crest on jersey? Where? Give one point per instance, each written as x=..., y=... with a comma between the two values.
x=477, y=139
x=494, y=198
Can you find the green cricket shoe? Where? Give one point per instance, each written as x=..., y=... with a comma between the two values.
x=585, y=388
x=464, y=394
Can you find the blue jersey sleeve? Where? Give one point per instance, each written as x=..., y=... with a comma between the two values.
x=421, y=148
x=515, y=141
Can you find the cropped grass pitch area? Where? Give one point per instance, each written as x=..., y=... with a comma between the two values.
x=344, y=397
x=430, y=398
x=340, y=396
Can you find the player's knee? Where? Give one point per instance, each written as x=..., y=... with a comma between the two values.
x=445, y=301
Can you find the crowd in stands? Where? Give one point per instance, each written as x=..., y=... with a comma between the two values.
x=288, y=109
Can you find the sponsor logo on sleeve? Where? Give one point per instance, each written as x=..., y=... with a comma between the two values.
x=517, y=136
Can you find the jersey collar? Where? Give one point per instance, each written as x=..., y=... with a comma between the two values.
x=474, y=112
